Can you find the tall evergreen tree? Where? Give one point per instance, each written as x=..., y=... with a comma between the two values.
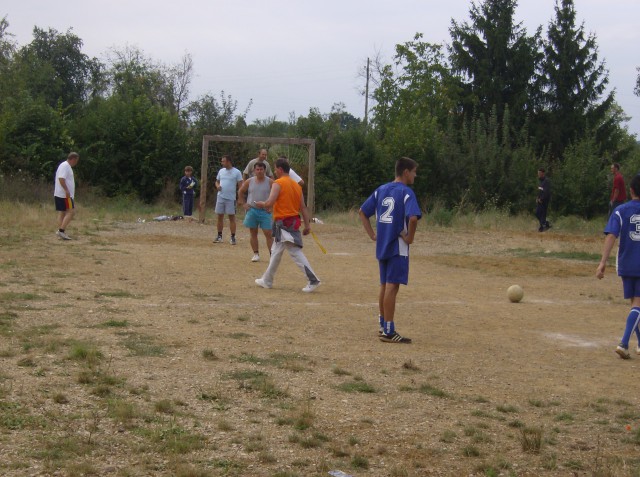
x=496, y=59
x=573, y=82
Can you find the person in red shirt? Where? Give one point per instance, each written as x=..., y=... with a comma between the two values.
x=618, y=193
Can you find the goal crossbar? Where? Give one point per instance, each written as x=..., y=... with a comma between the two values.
x=204, y=170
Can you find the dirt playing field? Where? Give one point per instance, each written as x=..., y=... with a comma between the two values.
x=145, y=349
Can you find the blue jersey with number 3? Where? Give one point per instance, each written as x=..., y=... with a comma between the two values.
x=624, y=223
x=393, y=204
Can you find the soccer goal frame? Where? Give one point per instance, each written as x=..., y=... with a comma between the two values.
x=204, y=171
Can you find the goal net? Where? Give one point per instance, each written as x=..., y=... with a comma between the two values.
x=300, y=152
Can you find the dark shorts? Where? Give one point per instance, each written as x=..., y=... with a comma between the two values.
x=394, y=270
x=63, y=204
x=631, y=287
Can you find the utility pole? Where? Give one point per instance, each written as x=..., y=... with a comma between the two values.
x=366, y=98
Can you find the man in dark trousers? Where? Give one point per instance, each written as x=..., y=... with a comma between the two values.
x=544, y=195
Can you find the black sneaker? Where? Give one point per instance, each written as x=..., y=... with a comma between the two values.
x=541, y=229
x=394, y=338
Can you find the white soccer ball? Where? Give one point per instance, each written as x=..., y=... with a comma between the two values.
x=515, y=293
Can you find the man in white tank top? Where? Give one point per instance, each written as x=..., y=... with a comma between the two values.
x=256, y=189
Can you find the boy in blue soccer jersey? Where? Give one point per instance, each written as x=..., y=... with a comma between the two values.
x=397, y=214
x=624, y=222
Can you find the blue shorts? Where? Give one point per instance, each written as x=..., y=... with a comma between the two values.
x=63, y=204
x=255, y=218
x=631, y=287
x=225, y=206
x=394, y=270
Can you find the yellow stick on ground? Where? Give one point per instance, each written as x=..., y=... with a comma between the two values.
x=315, y=237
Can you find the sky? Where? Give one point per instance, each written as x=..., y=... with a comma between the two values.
x=284, y=57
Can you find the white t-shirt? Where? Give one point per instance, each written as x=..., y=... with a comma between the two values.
x=64, y=171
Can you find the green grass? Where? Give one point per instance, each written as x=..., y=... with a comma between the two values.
x=115, y=324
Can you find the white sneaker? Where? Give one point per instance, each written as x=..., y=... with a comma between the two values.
x=310, y=287
x=623, y=352
x=260, y=282
x=63, y=235
x=256, y=258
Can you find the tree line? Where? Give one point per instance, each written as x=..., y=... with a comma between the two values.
x=479, y=115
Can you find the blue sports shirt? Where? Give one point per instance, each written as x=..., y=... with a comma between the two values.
x=624, y=223
x=393, y=203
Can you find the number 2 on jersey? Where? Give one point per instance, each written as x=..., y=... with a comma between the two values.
x=387, y=216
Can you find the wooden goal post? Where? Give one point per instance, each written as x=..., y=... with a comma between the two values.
x=204, y=171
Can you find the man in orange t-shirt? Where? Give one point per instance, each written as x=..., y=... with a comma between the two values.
x=287, y=200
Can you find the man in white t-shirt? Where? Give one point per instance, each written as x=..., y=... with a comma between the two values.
x=64, y=193
x=262, y=157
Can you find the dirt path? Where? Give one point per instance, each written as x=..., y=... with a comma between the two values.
x=225, y=378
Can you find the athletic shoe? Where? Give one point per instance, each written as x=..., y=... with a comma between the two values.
x=256, y=258
x=394, y=338
x=232, y=241
x=310, y=287
x=623, y=352
x=547, y=226
x=541, y=229
x=260, y=282
x=218, y=239
x=380, y=333
x=63, y=235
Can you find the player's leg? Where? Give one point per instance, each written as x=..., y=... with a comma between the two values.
x=219, y=210
x=253, y=233
x=396, y=272
x=276, y=256
x=631, y=287
x=60, y=218
x=266, y=224
x=187, y=206
x=68, y=216
x=381, y=308
x=232, y=223
x=539, y=216
x=219, y=227
x=269, y=238
x=303, y=264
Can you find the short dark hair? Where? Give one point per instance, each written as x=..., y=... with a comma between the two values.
x=616, y=165
x=283, y=163
x=228, y=158
x=541, y=169
x=405, y=164
x=635, y=185
x=188, y=169
x=260, y=164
